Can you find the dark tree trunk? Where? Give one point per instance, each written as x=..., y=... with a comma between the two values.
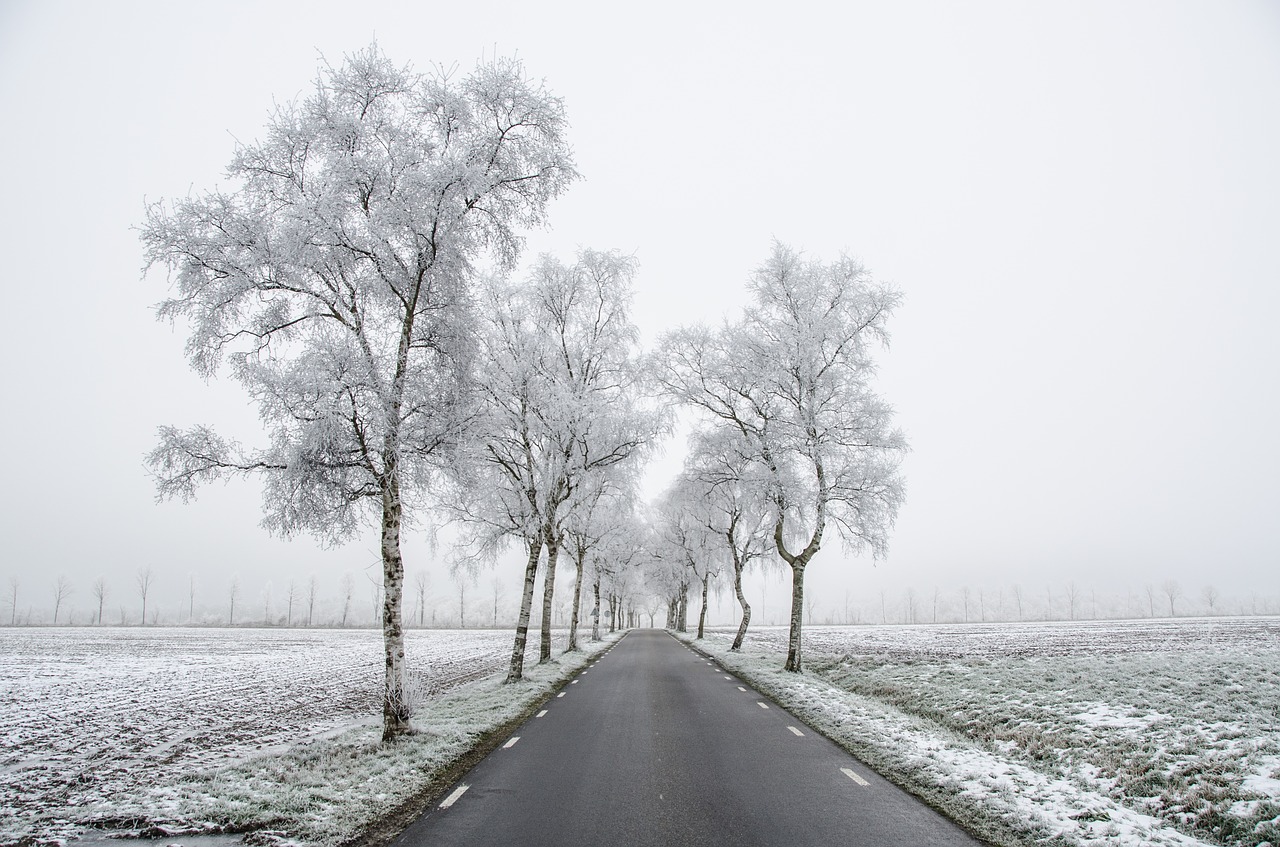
x=798, y=562
x=548, y=594
x=797, y=612
x=595, y=613
x=580, y=556
x=516, y=672
x=702, y=615
x=742, y=601
x=395, y=703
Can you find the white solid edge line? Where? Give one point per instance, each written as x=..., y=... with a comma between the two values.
x=540, y=714
x=453, y=798
x=854, y=776
x=762, y=705
x=511, y=743
x=796, y=731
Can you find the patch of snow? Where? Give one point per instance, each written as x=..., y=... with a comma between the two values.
x=1265, y=780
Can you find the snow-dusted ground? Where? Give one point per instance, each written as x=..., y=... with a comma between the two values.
x=1130, y=732
x=181, y=724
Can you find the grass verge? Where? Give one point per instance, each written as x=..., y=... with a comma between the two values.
x=1000, y=801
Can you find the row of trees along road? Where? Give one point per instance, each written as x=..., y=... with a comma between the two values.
x=791, y=434
x=341, y=284
x=355, y=280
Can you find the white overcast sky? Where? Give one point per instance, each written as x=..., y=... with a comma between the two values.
x=1080, y=201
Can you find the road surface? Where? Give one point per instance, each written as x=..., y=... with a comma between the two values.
x=654, y=744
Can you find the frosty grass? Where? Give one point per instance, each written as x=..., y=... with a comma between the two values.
x=199, y=730
x=1131, y=732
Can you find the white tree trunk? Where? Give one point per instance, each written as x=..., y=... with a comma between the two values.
x=742, y=601
x=516, y=671
x=797, y=618
x=595, y=612
x=395, y=703
x=548, y=594
x=702, y=615
x=577, y=602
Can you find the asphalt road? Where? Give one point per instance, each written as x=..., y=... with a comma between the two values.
x=656, y=745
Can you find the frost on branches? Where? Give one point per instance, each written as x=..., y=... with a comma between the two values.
x=334, y=281
x=560, y=418
x=792, y=380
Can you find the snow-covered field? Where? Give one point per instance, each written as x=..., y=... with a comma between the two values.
x=132, y=723
x=1138, y=732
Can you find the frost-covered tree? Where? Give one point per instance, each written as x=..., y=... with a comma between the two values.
x=144, y=579
x=61, y=591
x=729, y=487
x=348, y=591
x=334, y=279
x=313, y=587
x=666, y=565
x=793, y=378
x=560, y=406
x=1210, y=596
x=233, y=593
x=420, y=588
x=499, y=589
x=460, y=579
x=13, y=600
x=100, y=594
x=1172, y=591
x=600, y=540
x=687, y=529
x=613, y=561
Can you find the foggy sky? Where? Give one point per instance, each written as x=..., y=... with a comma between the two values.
x=1080, y=202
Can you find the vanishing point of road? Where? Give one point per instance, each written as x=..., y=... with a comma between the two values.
x=654, y=744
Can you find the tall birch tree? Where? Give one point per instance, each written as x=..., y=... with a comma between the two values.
x=730, y=487
x=793, y=378
x=334, y=280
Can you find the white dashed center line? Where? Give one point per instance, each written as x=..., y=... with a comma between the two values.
x=561, y=694
x=728, y=677
x=740, y=688
x=453, y=798
x=762, y=705
x=796, y=731
x=854, y=776
x=540, y=714
x=511, y=742
x=575, y=682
